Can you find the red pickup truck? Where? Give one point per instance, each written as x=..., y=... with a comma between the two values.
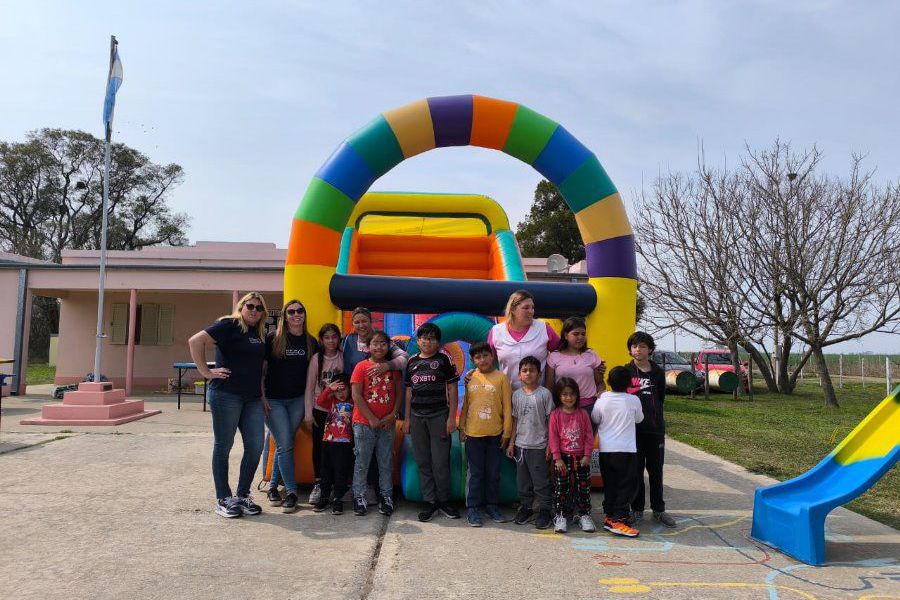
x=719, y=361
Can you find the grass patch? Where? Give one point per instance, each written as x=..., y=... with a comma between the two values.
x=784, y=436
x=40, y=373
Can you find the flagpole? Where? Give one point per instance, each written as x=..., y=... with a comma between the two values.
x=102, y=285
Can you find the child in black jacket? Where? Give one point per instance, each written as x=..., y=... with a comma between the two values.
x=648, y=382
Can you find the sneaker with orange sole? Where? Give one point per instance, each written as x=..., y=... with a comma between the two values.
x=619, y=528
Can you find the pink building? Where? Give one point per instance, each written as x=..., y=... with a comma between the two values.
x=156, y=298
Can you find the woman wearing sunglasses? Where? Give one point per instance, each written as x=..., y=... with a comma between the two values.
x=235, y=397
x=288, y=351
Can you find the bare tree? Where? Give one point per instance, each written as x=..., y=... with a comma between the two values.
x=697, y=283
x=772, y=253
x=836, y=238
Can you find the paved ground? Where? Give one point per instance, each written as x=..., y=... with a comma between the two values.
x=126, y=512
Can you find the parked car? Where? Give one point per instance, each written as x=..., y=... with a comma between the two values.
x=680, y=373
x=719, y=361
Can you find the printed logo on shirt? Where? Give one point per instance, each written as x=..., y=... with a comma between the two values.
x=485, y=413
x=474, y=387
x=328, y=376
x=434, y=364
x=417, y=379
x=254, y=340
x=572, y=435
x=640, y=385
x=295, y=352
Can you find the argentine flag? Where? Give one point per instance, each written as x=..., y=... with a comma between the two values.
x=113, y=82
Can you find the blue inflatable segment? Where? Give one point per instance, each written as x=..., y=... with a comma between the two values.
x=561, y=157
x=399, y=324
x=346, y=170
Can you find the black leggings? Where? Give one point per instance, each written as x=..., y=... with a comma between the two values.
x=318, y=431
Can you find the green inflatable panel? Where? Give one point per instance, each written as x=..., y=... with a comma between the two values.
x=411, y=486
x=409, y=471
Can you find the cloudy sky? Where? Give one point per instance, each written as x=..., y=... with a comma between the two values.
x=250, y=98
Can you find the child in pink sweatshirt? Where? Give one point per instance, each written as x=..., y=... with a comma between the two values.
x=571, y=443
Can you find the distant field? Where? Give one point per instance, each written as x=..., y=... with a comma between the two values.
x=783, y=436
x=855, y=365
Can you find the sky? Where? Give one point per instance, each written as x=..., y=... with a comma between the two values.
x=251, y=98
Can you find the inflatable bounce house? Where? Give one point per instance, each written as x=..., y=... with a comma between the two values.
x=453, y=258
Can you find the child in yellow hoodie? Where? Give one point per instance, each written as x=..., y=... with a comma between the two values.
x=485, y=425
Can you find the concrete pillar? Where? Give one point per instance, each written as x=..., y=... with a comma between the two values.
x=235, y=296
x=132, y=335
x=26, y=336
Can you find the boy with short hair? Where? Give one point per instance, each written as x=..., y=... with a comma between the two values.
x=616, y=413
x=431, y=400
x=531, y=407
x=648, y=383
x=485, y=424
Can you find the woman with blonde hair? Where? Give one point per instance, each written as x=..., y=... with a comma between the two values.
x=288, y=350
x=235, y=396
x=521, y=335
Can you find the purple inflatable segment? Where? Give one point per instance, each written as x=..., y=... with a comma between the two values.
x=614, y=257
x=451, y=117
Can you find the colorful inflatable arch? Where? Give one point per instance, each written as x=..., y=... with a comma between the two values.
x=325, y=211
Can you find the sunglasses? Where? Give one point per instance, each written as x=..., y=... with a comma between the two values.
x=254, y=307
x=295, y=311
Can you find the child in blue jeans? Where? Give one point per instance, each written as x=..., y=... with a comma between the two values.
x=375, y=406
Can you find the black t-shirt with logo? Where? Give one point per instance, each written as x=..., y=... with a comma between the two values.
x=650, y=388
x=286, y=376
x=242, y=353
x=428, y=379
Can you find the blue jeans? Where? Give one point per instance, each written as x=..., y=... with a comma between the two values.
x=380, y=442
x=231, y=412
x=284, y=418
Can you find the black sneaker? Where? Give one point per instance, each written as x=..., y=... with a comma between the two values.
x=523, y=515
x=449, y=511
x=274, y=497
x=321, y=505
x=337, y=507
x=386, y=506
x=359, y=507
x=228, y=508
x=290, y=503
x=543, y=519
x=428, y=513
x=248, y=506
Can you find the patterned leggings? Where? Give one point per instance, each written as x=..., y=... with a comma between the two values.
x=576, y=482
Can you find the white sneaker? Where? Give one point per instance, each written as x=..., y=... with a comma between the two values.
x=560, y=525
x=587, y=523
x=315, y=495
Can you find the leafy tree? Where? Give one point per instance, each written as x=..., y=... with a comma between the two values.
x=51, y=196
x=51, y=199
x=550, y=228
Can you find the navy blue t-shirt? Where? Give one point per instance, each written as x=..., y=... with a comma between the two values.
x=241, y=352
x=286, y=376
